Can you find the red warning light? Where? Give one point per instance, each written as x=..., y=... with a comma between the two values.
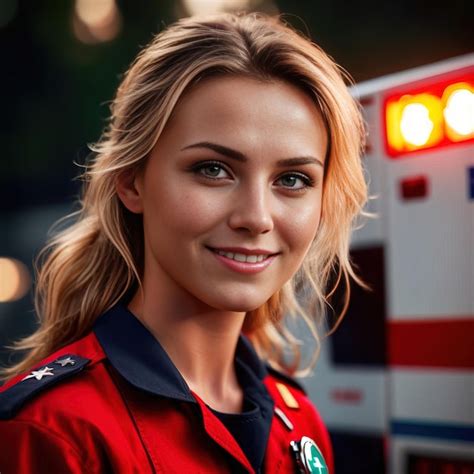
x=415, y=187
x=430, y=113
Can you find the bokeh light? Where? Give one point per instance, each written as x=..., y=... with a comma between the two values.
x=15, y=280
x=195, y=7
x=96, y=21
x=459, y=112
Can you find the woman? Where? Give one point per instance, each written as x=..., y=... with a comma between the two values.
x=228, y=178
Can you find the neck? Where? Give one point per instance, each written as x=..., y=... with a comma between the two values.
x=201, y=341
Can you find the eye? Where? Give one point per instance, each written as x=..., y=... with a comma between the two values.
x=211, y=170
x=295, y=181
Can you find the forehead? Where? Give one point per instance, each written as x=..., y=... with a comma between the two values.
x=250, y=115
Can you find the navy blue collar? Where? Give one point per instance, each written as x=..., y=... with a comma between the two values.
x=135, y=353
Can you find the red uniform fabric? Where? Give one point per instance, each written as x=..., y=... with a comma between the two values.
x=94, y=420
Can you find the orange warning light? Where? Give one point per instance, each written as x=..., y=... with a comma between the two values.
x=430, y=115
x=414, y=121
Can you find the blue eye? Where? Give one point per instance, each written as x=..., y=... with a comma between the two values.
x=295, y=181
x=211, y=170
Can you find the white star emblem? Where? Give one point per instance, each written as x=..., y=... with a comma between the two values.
x=39, y=374
x=64, y=362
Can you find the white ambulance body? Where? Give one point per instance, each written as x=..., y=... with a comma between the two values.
x=400, y=374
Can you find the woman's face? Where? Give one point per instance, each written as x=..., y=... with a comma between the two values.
x=231, y=194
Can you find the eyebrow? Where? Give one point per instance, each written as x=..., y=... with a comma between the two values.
x=238, y=156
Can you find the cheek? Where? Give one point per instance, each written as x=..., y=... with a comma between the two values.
x=187, y=212
x=301, y=226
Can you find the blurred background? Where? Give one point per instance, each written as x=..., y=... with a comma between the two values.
x=61, y=63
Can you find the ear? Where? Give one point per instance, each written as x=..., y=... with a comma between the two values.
x=128, y=191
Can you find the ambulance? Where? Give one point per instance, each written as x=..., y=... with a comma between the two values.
x=395, y=382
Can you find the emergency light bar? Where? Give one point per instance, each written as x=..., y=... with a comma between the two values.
x=430, y=116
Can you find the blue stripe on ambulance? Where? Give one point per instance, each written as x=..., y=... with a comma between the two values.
x=432, y=430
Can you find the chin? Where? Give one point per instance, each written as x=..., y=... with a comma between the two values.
x=239, y=303
x=238, y=306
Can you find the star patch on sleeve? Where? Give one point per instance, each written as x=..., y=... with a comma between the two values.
x=12, y=399
x=39, y=374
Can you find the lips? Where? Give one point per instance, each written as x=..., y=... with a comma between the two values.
x=244, y=260
x=243, y=250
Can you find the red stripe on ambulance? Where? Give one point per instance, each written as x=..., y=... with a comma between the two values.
x=431, y=343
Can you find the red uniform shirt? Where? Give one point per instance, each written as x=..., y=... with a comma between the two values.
x=114, y=402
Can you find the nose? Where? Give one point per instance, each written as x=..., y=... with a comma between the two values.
x=251, y=210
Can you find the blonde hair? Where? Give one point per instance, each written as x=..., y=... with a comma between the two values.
x=91, y=265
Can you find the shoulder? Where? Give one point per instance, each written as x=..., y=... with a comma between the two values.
x=48, y=411
x=50, y=380
x=282, y=377
x=66, y=421
x=289, y=394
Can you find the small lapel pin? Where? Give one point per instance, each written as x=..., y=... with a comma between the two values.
x=288, y=398
x=284, y=419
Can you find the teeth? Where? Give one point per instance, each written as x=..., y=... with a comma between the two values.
x=240, y=257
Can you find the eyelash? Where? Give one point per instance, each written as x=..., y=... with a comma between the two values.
x=199, y=167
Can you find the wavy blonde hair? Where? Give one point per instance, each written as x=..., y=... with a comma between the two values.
x=91, y=265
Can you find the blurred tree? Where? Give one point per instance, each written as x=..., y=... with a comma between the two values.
x=55, y=93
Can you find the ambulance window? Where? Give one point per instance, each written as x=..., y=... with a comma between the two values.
x=360, y=338
x=357, y=453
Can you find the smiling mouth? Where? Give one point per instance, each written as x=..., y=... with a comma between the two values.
x=241, y=257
